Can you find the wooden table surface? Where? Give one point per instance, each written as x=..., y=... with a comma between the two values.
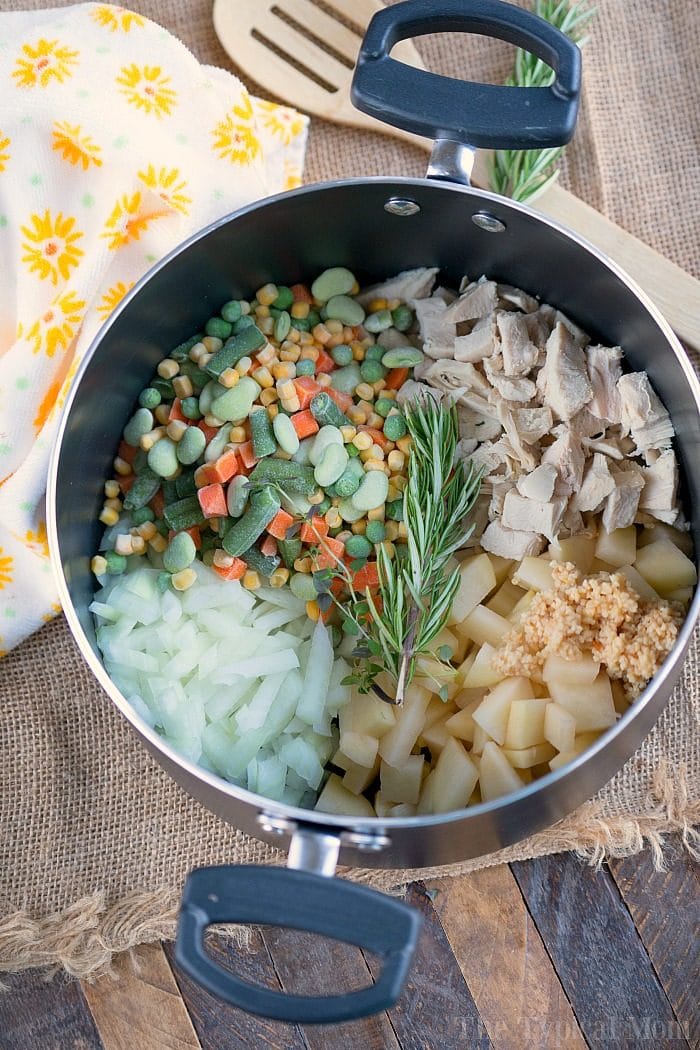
x=544, y=953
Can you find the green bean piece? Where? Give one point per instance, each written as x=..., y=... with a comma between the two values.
x=334, y=281
x=183, y=514
x=284, y=298
x=231, y=311
x=142, y=491
x=238, y=346
x=265, y=564
x=290, y=550
x=162, y=527
x=217, y=327
x=185, y=484
x=189, y=406
x=262, y=507
x=394, y=426
x=141, y=515
x=149, y=398
x=180, y=552
x=290, y=476
x=306, y=367
x=282, y=326
x=164, y=387
x=261, y=433
x=372, y=371
x=402, y=317
x=394, y=510
x=191, y=445
x=342, y=354
x=182, y=350
x=375, y=532
x=378, y=321
x=325, y=411
x=116, y=563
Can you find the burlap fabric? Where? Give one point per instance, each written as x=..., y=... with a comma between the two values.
x=95, y=839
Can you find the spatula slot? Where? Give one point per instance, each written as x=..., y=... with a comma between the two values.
x=322, y=45
x=325, y=85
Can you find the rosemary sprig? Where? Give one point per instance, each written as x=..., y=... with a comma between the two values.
x=524, y=174
x=416, y=590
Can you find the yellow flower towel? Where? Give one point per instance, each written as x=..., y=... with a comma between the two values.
x=115, y=145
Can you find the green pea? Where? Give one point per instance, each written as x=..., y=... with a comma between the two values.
x=302, y=587
x=372, y=492
x=402, y=357
x=180, y=552
x=191, y=445
x=162, y=458
x=402, y=317
x=216, y=326
x=189, y=406
x=284, y=298
x=394, y=427
x=375, y=353
x=231, y=311
x=236, y=402
x=149, y=398
x=342, y=354
x=375, y=532
x=116, y=563
x=383, y=406
x=305, y=367
x=372, y=371
x=139, y=424
x=358, y=547
x=282, y=326
x=334, y=281
x=378, y=321
x=343, y=308
x=141, y=515
x=314, y=318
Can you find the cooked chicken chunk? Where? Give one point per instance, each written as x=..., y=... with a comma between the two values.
x=532, y=423
x=567, y=456
x=527, y=303
x=563, y=381
x=522, y=390
x=532, y=515
x=642, y=413
x=481, y=342
x=660, y=488
x=507, y=543
x=596, y=486
x=437, y=333
x=519, y=354
x=476, y=425
x=604, y=370
x=479, y=300
x=621, y=505
x=409, y=286
x=539, y=483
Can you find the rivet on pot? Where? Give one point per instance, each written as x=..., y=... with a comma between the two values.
x=366, y=842
x=401, y=206
x=488, y=222
x=276, y=825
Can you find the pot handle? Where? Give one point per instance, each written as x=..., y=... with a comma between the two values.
x=478, y=115
x=304, y=901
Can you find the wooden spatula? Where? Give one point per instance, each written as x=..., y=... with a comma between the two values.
x=304, y=51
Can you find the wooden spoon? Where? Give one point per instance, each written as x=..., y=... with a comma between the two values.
x=304, y=51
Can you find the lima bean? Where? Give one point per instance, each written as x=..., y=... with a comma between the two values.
x=180, y=552
x=343, y=308
x=139, y=424
x=162, y=458
x=191, y=445
x=235, y=404
x=372, y=492
x=334, y=281
x=286, y=435
x=333, y=463
x=328, y=435
x=402, y=357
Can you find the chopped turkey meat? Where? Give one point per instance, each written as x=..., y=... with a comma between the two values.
x=476, y=425
x=413, y=391
x=604, y=370
x=478, y=300
x=643, y=415
x=524, y=455
x=539, y=483
x=537, y=329
x=481, y=342
x=596, y=486
x=437, y=333
x=409, y=286
x=532, y=423
x=567, y=456
x=489, y=457
x=500, y=487
x=507, y=543
x=517, y=297
x=563, y=380
x=519, y=354
x=532, y=515
x=521, y=389
x=621, y=505
x=660, y=488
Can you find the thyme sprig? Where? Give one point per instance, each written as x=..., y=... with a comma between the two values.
x=524, y=174
x=418, y=588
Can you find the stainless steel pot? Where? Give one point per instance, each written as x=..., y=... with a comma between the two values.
x=377, y=227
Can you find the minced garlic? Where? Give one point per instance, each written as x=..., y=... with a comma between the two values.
x=601, y=614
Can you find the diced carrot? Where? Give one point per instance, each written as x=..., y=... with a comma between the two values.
x=343, y=401
x=125, y=482
x=367, y=576
x=248, y=457
x=157, y=504
x=203, y=475
x=268, y=547
x=306, y=388
x=304, y=424
x=232, y=572
x=337, y=586
x=176, y=412
x=127, y=452
x=209, y=432
x=212, y=500
x=330, y=553
x=301, y=293
x=324, y=362
x=378, y=437
x=225, y=466
x=196, y=536
x=279, y=524
x=311, y=530
x=395, y=378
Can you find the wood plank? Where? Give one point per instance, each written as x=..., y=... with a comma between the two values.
x=597, y=953
x=46, y=1014
x=307, y=964
x=504, y=962
x=222, y=1027
x=665, y=907
x=141, y=1008
x=436, y=1009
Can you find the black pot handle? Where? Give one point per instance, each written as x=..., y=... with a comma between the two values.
x=481, y=115
x=303, y=901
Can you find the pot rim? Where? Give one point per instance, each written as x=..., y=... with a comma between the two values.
x=269, y=807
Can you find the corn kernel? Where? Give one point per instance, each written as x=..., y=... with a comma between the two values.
x=293, y=335
x=263, y=377
x=358, y=527
x=392, y=304
x=390, y=394
x=267, y=356
x=115, y=504
x=286, y=388
x=147, y=441
x=204, y=359
x=267, y=294
x=379, y=385
x=245, y=307
x=404, y=444
x=403, y=530
x=292, y=353
x=122, y=467
x=273, y=412
x=222, y=559
x=334, y=326
x=366, y=406
x=123, y=544
x=399, y=482
x=302, y=565
x=279, y=577
x=266, y=325
x=167, y=368
x=316, y=497
x=299, y=310
x=333, y=518
x=375, y=421
x=391, y=530
x=213, y=524
x=356, y=415
x=290, y=404
x=182, y=385
x=389, y=548
x=376, y=515
x=212, y=420
x=306, y=339
x=267, y=397
x=309, y=353
x=146, y=530
x=138, y=545
x=229, y=377
x=362, y=441
x=376, y=464
x=344, y=536
x=162, y=414
x=376, y=304
x=396, y=461
x=251, y=580
x=244, y=366
x=350, y=333
x=284, y=370
x=112, y=489
x=158, y=543
x=212, y=343
x=321, y=333
x=176, y=429
x=348, y=433
x=237, y=435
x=377, y=452
x=312, y=610
x=262, y=310
x=358, y=351
x=196, y=352
x=183, y=580
x=323, y=379
x=335, y=340
x=98, y=565
x=392, y=493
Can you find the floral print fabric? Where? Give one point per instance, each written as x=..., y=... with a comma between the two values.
x=115, y=145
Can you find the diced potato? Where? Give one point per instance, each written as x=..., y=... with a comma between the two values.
x=404, y=809
x=425, y=802
x=481, y=737
x=638, y=583
x=525, y=726
x=665, y=567
x=453, y=641
x=684, y=595
x=465, y=697
x=359, y=748
x=337, y=799
x=476, y=580
x=618, y=547
x=480, y=673
x=496, y=775
x=358, y=778
x=382, y=805
x=434, y=738
x=396, y=745
x=559, y=727
x=492, y=712
x=577, y=549
x=652, y=533
x=454, y=778
x=561, y=759
x=462, y=724
x=591, y=705
x=582, y=671
x=534, y=574
x=527, y=757
x=583, y=741
x=432, y=674
x=521, y=606
x=482, y=625
x=502, y=567
x=366, y=713
x=505, y=598
x=437, y=711
x=620, y=699
x=402, y=785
